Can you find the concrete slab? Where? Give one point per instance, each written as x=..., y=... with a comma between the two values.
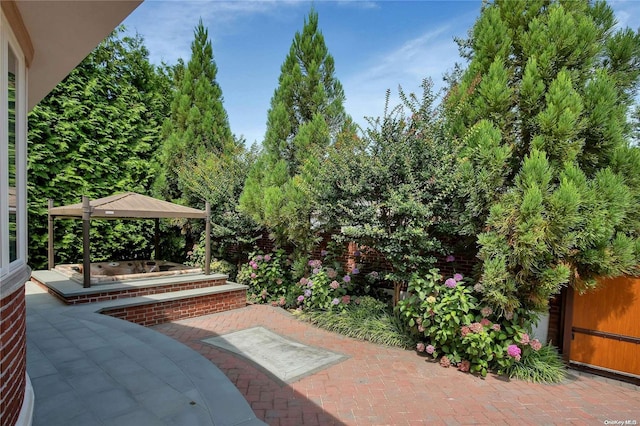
x=284, y=358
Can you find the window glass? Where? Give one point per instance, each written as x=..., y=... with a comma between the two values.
x=11, y=130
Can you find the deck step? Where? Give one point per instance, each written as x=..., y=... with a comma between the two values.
x=156, y=309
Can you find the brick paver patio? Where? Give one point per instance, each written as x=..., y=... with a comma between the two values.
x=377, y=385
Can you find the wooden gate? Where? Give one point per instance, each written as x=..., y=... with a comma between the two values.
x=606, y=327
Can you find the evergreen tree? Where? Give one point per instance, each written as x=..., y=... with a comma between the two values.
x=305, y=117
x=198, y=125
x=95, y=134
x=551, y=177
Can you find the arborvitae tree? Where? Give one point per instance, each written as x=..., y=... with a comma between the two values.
x=541, y=115
x=305, y=117
x=198, y=124
x=95, y=134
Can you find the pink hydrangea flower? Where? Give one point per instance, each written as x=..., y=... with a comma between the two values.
x=535, y=345
x=304, y=281
x=334, y=285
x=465, y=330
x=496, y=327
x=259, y=257
x=486, y=311
x=444, y=362
x=332, y=273
x=335, y=301
x=430, y=349
x=458, y=277
x=267, y=257
x=420, y=347
x=450, y=258
x=464, y=366
x=476, y=327
x=451, y=283
x=253, y=276
x=346, y=299
x=300, y=298
x=524, y=339
x=254, y=266
x=514, y=351
x=485, y=322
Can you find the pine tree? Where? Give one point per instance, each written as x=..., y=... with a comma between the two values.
x=198, y=125
x=305, y=117
x=551, y=176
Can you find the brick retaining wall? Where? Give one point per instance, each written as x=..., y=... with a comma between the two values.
x=132, y=292
x=165, y=311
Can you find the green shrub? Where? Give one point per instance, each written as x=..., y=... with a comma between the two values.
x=542, y=366
x=325, y=289
x=267, y=276
x=196, y=257
x=367, y=319
x=450, y=318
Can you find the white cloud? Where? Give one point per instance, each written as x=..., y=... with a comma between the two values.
x=429, y=55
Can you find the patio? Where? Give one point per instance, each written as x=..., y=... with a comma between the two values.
x=88, y=368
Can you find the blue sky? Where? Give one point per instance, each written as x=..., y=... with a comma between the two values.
x=377, y=45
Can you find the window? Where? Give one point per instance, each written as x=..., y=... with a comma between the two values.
x=13, y=215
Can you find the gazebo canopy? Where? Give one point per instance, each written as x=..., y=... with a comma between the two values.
x=129, y=205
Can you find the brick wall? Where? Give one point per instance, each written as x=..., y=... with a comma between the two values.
x=12, y=356
x=133, y=292
x=157, y=313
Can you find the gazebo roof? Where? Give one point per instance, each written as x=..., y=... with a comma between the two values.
x=129, y=205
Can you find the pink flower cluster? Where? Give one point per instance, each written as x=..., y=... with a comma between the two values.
x=317, y=263
x=452, y=282
x=464, y=366
x=535, y=343
x=514, y=352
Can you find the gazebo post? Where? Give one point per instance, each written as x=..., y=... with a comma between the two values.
x=50, y=242
x=157, y=239
x=207, y=238
x=86, y=262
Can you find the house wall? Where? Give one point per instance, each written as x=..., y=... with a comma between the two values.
x=15, y=401
x=12, y=355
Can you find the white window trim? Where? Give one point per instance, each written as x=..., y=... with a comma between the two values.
x=8, y=39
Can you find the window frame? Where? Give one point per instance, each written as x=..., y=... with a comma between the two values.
x=8, y=42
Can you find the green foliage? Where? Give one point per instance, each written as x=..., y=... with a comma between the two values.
x=456, y=326
x=219, y=179
x=268, y=277
x=95, y=134
x=541, y=116
x=217, y=266
x=200, y=158
x=542, y=366
x=198, y=125
x=365, y=319
x=325, y=289
x=393, y=189
x=305, y=117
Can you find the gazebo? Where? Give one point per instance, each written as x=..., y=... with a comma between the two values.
x=128, y=205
